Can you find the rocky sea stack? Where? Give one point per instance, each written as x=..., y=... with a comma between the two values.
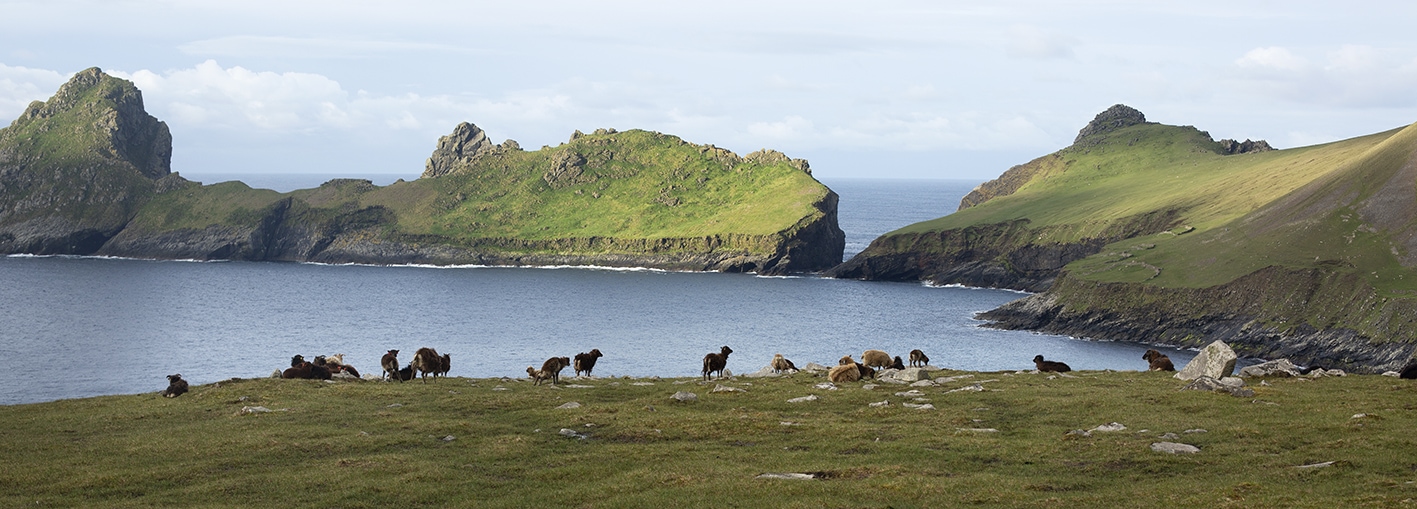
x=1153, y=233
x=88, y=172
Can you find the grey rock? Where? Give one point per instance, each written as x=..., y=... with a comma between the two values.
x=791, y=476
x=804, y=399
x=724, y=388
x=570, y=433
x=1206, y=383
x=911, y=374
x=1310, y=466
x=569, y=405
x=1216, y=361
x=923, y=383
x=685, y=396
x=826, y=386
x=1277, y=367
x=1109, y=427
x=1320, y=373
x=1174, y=448
x=813, y=367
x=925, y=406
x=969, y=388
x=880, y=404
x=1111, y=119
x=461, y=148
x=1170, y=436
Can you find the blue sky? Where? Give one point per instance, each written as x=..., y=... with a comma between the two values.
x=912, y=89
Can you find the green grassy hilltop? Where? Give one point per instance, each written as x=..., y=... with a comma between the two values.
x=1158, y=233
x=499, y=443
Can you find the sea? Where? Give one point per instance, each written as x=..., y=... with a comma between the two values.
x=75, y=327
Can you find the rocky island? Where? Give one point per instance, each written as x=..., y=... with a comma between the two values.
x=88, y=173
x=1154, y=233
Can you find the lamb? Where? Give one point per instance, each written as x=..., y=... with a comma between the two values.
x=390, y=363
x=405, y=374
x=897, y=364
x=876, y=358
x=553, y=366
x=1045, y=366
x=537, y=375
x=842, y=373
x=445, y=366
x=586, y=361
x=780, y=364
x=918, y=358
x=716, y=362
x=176, y=386
x=1157, y=361
x=426, y=360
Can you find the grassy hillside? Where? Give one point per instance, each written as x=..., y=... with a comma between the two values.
x=497, y=443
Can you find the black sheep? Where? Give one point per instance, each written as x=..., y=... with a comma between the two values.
x=716, y=362
x=176, y=386
x=1050, y=365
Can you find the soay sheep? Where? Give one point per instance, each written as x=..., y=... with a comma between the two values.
x=1408, y=372
x=780, y=364
x=176, y=386
x=586, y=361
x=426, y=360
x=716, y=362
x=1157, y=361
x=918, y=358
x=553, y=366
x=1043, y=365
x=876, y=359
x=537, y=375
x=445, y=366
x=390, y=363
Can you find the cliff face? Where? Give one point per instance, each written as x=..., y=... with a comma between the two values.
x=88, y=172
x=75, y=169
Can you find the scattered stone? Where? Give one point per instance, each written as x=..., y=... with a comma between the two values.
x=814, y=367
x=395, y=405
x=1114, y=426
x=1197, y=430
x=574, y=386
x=1216, y=361
x=1174, y=448
x=911, y=374
x=1277, y=367
x=449, y=438
x=766, y=371
x=1358, y=416
x=1079, y=433
x=978, y=430
x=642, y=384
x=879, y=404
x=685, y=396
x=723, y=388
x=789, y=423
x=923, y=383
x=1264, y=383
x=892, y=381
x=910, y=393
x=1393, y=374
x=1232, y=382
x=1170, y=436
x=248, y=410
x=791, y=476
x=570, y=433
x=500, y=388
x=826, y=386
x=1310, y=466
x=968, y=388
x=949, y=379
x=868, y=387
x=569, y=405
x=804, y=399
x=1206, y=383
x=1320, y=373
x=925, y=406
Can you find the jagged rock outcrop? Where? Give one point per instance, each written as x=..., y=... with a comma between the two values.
x=463, y=147
x=1232, y=147
x=1111, y=119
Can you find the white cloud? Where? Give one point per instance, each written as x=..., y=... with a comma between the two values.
x=792, y=127
x=19, y=86
x=307, y=47
x=1351, y=76
x=1030, y=42
x=1272, y=57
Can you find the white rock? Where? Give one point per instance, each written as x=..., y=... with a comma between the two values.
x=1115, y=426
x=926, y=406
x=569, y=405
x=1174, y=448
x=923, y=383
x=685, y=396
x=910, y=393
x=570, y=433
x=968, y=388
x=788, y=476
x=826, y=386
x=978, y=430
x=911, y=374
x=1279, y=367
x=1197, y=430
x=724, y=388
x=1393, y=374
x=449, y=438
x=642, y=384
x=1216, y=360
x=574, y=386
x=1325, y=464
x=804, y=399
x=881, y=403
x=868, y=387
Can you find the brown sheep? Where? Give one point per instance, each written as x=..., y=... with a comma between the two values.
x=445, y=366
x=876, y=359
x=716, y=362
x=176, y=386
x=553, y=366
x=586, y=361
x=842, y=373
x=918, y=358
x=426, y=360
x=1157, y=361
x=405, y=374
x=537, y=375
x=390, y=363
x=780, y=364
x=897, y=364
x=1043, y=365
x=844, y=360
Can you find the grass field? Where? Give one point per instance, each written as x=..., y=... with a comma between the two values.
x=499, y=443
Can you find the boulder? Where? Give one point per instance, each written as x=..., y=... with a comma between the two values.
x=813, y=367
x=685, y=396
x=911, y=374
x=1277, y=367
x=1216, y=360
x=804, y=399
x=1174, y=448
x=1229, y=386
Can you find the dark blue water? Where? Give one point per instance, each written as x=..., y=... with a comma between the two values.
x=128, y=323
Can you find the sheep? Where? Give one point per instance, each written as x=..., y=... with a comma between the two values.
x=716, y=362
x=445, y=366
x=405, y=374
x=176, y=386
x=426, y=360
x=876, y=359
x=1409, y=371
x=586, y=361
x=897, y=364
x=780, y=364
x=1050, y=365
x=918, y=358
x=308, y=371
x=297, y=360
x=537, y=375
x=553, y=366
x=844, y=360
x=1157, y=361
x=335, y=363
x=390, y=363
x=842, y=373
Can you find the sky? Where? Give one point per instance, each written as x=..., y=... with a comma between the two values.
x=883, y=89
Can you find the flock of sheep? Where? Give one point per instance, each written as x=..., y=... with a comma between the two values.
x=427, y=361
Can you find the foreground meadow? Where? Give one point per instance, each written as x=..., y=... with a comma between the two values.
x=500, y=443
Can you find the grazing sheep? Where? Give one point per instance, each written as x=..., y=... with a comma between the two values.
x=537, y=375
x=1043, y=365
x=876, y=359
x=1158, y=361
x=716, y=362
x=780, y=364
x=1409, y=371
x=176, y=386
x=553, y=366
x=445, y=366
x=897, y=364
x=586, y=361
x=426, y=360
x=390, y=363
x=842, y=373
x=918, y=358
x=844, y=360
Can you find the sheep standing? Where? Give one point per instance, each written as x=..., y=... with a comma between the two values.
x=716, y=362
x=586, y=361
x=426, y=360
x=1157, y=361
x=445, y=366
x=1046, y=366
x=553, y=366
x=918, y=358
x=176, y=386
x=390, y=363
x=876, y=359
x=780, y=364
